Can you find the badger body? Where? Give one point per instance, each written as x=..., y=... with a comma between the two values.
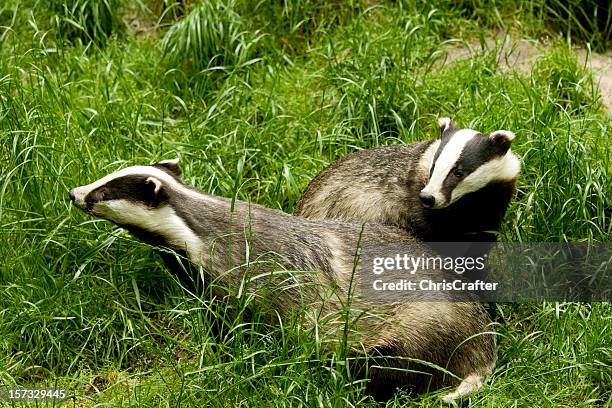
x=414, y=187
x=229, y=241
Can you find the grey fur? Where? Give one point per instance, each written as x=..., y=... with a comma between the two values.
x=382, y=185
x=448, y=334
x=378, y=185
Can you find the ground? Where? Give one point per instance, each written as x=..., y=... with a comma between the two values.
x=257, y=98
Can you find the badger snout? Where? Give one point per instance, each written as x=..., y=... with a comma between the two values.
x=428, y=200
x=77, y=198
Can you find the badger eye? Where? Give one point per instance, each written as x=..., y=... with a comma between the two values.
x=457, y=172
x=98, y=195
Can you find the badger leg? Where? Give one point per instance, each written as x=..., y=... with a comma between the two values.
x=470, y=384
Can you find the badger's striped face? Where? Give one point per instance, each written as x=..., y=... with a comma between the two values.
x=145, y=200
x=129, y=196
x=464, y=161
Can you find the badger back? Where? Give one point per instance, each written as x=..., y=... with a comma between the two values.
x=456, y=188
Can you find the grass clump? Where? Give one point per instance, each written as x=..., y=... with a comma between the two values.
x=583, y=21
x=294, y=24
x=587, y=21
x=211, y=37
x=572, y=87
x=85, y=20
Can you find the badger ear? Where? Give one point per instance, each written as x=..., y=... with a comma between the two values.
x=153, y=192
x=445, y=124
x=502, y=139
x=171, y=165
x=153, y=185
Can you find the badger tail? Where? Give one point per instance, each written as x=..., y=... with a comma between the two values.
x=470, y=384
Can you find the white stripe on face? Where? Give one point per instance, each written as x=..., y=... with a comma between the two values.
x=163, y=221
x=80, y=193
x=445, y=163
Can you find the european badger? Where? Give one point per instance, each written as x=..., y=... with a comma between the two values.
x=454, y=189
x=153, y=203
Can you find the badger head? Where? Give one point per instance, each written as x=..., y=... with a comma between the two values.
x=134, y=197
x=463, y=161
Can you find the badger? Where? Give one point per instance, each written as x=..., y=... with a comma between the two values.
x=401, y=340
x=453, y=189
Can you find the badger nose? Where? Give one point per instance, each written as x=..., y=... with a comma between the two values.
x=71, y=195
x=428, y=200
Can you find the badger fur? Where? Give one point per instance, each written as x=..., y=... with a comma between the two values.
x=153, y=203
x=456, y=188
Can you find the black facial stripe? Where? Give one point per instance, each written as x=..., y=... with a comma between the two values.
x=449, y=184
x=444, y=139
x=476, y=152
x=133, y=188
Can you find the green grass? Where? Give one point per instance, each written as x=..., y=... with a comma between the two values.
x=84, y=21
x=256, y=106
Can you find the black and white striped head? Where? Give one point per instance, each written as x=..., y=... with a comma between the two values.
x=463, y=161
x=150, y=201
x=130, y=196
